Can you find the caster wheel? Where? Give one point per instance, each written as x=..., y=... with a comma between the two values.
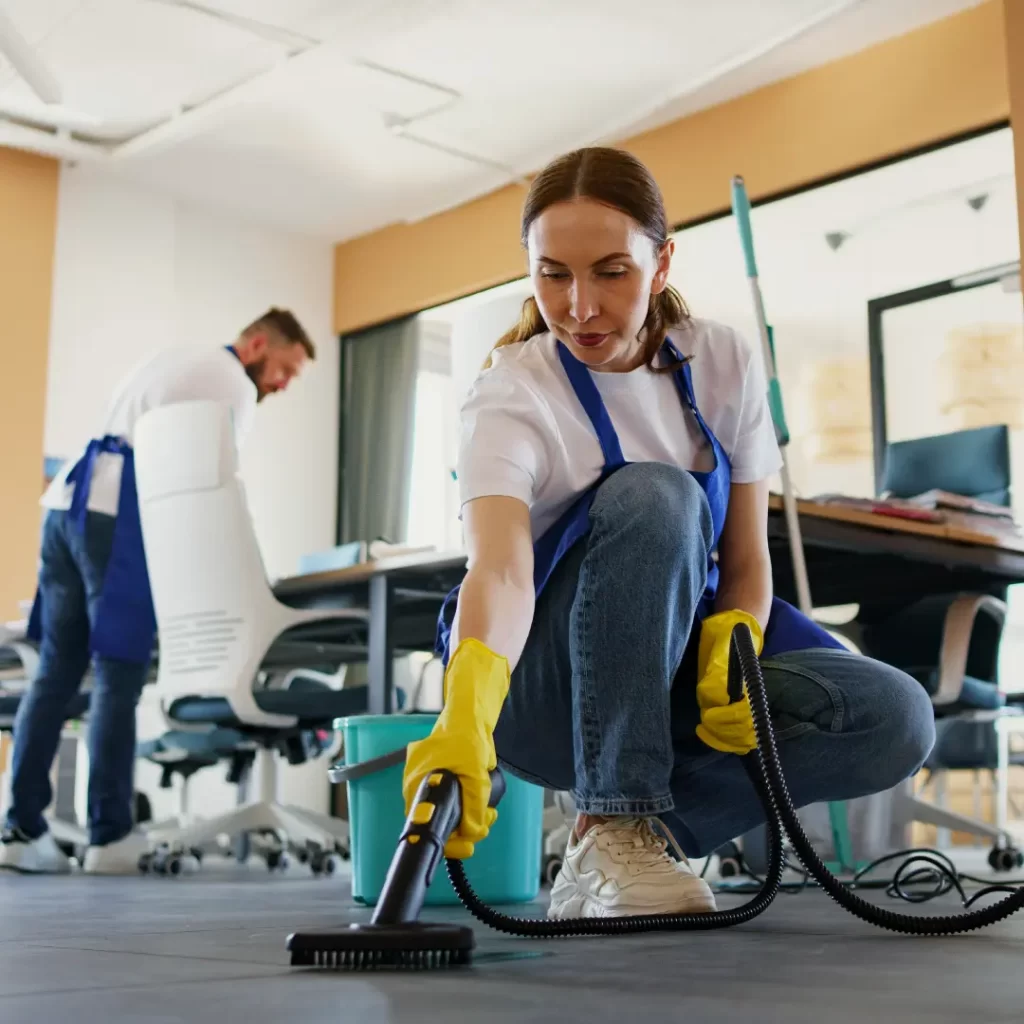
x=146, y=863
x=316, y=863
x=173, y=866
x=277, y=860
x=331, y=864
x=305, y=856
x=1005, y=858
x=552, y=865
x=196, y=854
x=728, y=867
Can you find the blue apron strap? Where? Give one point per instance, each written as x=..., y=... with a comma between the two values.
x=80, y=475
x=590, y=398
x=684, y=384
x=124, y=623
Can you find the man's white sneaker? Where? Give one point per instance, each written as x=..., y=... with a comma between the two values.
x=40, y=856
x=120, y=858
x=622, y=867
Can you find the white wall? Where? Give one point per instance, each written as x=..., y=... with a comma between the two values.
x=136, y=271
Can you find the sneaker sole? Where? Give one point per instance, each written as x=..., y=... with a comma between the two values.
x=581, y=904
x=19, y=870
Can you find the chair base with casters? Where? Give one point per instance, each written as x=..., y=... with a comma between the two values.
x=211, y=732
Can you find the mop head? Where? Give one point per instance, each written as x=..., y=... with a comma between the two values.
x=369, y=947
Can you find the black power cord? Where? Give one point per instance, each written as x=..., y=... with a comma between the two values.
x=924, y=874
x=765, y=772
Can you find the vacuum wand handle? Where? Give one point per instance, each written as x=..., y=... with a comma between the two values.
x=433, y=818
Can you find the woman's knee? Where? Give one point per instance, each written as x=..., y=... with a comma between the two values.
x=904, y=725
x=881, y=717
x=655, y=501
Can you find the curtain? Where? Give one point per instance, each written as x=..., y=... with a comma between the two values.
x=378, y=399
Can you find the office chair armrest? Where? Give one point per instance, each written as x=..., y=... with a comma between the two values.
x=331, y=681
x=26, y=652
x=299, y=616
x=956, y=642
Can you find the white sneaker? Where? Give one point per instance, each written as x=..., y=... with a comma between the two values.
x=622, y=867
x=40, y=856
x=120, y=858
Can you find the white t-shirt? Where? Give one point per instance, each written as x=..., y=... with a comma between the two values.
x=525, y=434
x=175, y=375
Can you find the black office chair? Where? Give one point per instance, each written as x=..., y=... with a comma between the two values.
x=950, y=642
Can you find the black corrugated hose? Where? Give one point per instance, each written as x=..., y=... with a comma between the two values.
x=765, y=772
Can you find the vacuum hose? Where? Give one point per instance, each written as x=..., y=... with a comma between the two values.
x=765, y=772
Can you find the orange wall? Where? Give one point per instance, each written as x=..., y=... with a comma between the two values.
x=28, y=215
x=1013, y=11
x=929, y=85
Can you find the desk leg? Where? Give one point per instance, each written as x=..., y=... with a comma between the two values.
x=381, y=661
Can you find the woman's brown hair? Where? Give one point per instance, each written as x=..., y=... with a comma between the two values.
x=617, y=179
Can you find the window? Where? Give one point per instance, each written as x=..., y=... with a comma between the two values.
x=433, y=518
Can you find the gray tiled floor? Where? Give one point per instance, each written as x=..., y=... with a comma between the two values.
x=211, y=948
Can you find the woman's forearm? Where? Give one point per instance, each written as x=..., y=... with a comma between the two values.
x=496, y=608
x=747, y=587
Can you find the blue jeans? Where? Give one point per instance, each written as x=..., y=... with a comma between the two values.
x=603, y=701
x=72, y=566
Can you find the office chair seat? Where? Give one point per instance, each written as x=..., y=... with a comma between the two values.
x=975, y=695
x=205, y=748
x=311, y=706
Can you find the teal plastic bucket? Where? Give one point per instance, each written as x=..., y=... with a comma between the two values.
x=504, y=868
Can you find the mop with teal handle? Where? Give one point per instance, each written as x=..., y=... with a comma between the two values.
x=741, y=210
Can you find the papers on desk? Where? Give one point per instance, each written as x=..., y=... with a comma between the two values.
x=944, y=499
x=379, y=549
x=955, y=520
x=894, y=507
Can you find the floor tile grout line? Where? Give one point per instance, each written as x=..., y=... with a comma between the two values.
x=81, y=990
x=143, y=952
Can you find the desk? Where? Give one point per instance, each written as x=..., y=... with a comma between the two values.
x=404, y=596
x=853, y=557
x=882, y=563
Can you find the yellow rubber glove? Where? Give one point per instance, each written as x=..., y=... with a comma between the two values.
x=724, y=725
x=475, y=687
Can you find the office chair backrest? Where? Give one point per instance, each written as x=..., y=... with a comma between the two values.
x=216, y=614
x=974, y=463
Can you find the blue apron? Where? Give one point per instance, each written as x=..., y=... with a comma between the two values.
x=788, y=628
x=123, y=625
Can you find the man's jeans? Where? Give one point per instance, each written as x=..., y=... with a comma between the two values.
x=73, y=564
x=603, y=701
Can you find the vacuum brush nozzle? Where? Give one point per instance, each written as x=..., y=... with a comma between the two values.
x=367, y=947
x=395, y=937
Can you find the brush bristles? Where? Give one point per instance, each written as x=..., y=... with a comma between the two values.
x=375, y=959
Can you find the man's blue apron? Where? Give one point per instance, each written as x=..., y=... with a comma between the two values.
x=123, y=625
x=788, y=629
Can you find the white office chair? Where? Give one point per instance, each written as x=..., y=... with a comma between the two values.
x=220, y=628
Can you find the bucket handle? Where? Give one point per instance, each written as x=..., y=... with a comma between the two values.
x=351, y=772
